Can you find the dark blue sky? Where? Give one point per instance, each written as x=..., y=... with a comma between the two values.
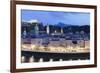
x=54, y=17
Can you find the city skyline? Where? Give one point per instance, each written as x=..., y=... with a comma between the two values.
x=55, y=17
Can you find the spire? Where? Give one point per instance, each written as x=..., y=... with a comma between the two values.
x=62, y=30
x=48, y=29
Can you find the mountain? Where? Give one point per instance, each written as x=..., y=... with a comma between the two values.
x=61, y=24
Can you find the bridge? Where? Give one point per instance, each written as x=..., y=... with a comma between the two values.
x=47, y=56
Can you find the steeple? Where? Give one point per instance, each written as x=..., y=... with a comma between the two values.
x=62, y=31
x=48, y=29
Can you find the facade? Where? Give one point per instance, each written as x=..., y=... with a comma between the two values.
x=55, y=42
